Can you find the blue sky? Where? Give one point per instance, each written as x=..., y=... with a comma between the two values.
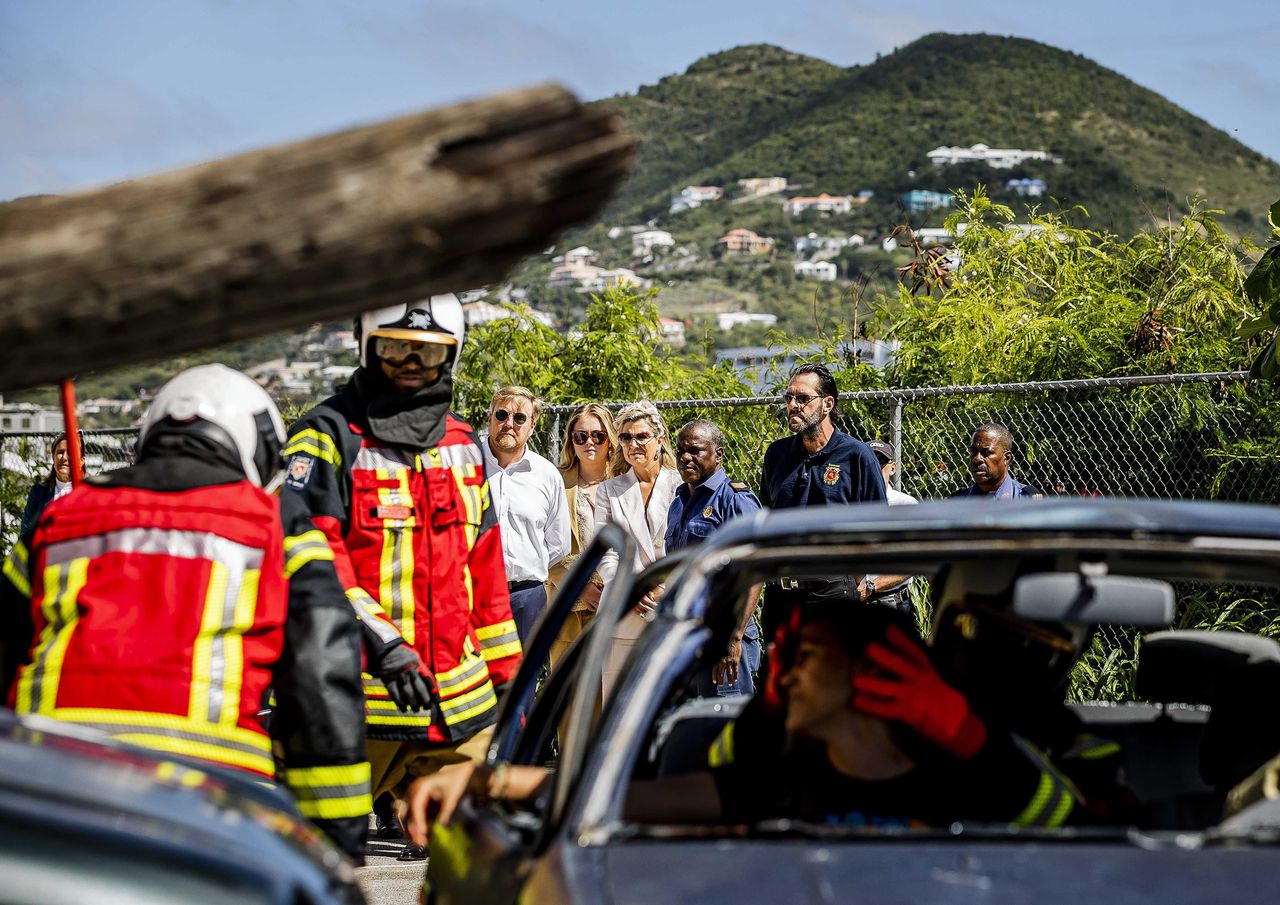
x=92, y=91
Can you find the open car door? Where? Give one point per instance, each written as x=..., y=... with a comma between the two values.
x=486, y=853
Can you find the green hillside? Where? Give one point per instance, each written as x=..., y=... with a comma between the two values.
x=1128, y=154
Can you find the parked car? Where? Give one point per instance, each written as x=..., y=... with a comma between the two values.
x=1198, y=748
x=84, y=819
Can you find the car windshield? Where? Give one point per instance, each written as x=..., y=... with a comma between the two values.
x=1059, y=694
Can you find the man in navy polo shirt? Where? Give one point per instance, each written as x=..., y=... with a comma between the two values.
x=990, y=453
x=705, y=501
x=816, y=466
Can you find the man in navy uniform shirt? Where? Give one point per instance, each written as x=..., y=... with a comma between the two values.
x=816, y=466
x=705, y=501
x=990, y=452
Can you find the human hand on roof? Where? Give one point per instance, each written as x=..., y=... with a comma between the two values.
x=904, y=686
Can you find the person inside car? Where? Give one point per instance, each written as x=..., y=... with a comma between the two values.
x=1016, y=674
x=883, y=742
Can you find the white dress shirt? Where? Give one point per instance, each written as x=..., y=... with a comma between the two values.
x=533, y=514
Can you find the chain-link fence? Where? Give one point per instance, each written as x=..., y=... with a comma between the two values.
x=1188, y=436
x=1194, y=436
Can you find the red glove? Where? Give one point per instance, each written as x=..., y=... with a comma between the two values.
x=781, y=656
x=908, y=689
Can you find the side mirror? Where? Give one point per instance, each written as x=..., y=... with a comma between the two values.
x=1093, y=600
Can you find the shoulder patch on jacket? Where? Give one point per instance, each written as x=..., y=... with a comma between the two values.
x=299, y=471
x=740, y=486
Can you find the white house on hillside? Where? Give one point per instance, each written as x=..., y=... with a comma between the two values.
x=996, y=158
x=822, y=271
x=577, y=256
x=824, y=203
x=826, y=245
x=692, y=196
x=643, y=243
x=727, y=320
x=486, y=312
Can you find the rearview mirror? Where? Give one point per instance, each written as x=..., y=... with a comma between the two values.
x=1093, y=600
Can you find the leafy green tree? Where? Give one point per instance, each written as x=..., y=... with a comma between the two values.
x=1263, y=289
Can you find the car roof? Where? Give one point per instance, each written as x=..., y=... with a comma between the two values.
x=961, y=518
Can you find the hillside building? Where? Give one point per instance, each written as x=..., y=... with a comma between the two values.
x=822, y=271
x=1026, y=188
x=643, y=243
x=744, y=242
x=590, y=278
x=575, y=257
x=29, y=418
x=727, y=320
x=823, y=204
x=759, y=186
x=826, y=246
x=996, y=158
x=475, y=313
x=692, y=196
x=672, y=331
x=918, y=201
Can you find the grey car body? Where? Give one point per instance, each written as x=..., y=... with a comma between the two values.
x=86, y=819
x=574, y=845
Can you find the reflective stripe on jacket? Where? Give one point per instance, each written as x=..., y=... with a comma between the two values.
x=417, y=548
x=162, y=615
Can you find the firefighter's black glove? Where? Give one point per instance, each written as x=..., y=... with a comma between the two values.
x=398, y=668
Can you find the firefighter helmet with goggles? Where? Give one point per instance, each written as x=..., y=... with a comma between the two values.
x=432, y=330
x=226, y=408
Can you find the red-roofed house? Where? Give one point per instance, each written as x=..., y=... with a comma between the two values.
x=744, y=242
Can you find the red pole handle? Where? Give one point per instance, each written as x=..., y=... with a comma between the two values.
x=74, y=453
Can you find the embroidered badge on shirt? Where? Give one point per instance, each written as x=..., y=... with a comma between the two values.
x=300, y=467
x=831, y=475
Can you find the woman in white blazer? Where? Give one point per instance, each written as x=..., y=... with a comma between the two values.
x=637, y=501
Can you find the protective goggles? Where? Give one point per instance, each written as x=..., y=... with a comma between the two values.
x=396, y=352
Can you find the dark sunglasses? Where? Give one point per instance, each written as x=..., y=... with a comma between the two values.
x=518, y=417
x=800, y=399
x=598, y=437
x=635, y=438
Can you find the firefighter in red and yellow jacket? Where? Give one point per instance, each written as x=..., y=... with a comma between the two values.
x=161, y=602
x=397, y=484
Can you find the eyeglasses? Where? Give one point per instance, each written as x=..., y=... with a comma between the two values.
x=800, y=399
x=396, y=352
x=640, y=439
x=501, y=416
x=596, y=437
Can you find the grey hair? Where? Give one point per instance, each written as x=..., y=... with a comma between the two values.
x=997, y=429
x=710, y=428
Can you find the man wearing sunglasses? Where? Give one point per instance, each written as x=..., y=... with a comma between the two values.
x=817, y=466
x=397, y=485
x=533, y=511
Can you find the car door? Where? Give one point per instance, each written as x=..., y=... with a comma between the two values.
x=487, y=852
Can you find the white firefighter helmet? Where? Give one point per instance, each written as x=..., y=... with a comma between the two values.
x=437, y=320
x=226, y=407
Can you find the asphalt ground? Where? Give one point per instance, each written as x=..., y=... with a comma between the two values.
x=386, y=881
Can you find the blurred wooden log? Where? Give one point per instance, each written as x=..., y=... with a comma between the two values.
x=317, y=230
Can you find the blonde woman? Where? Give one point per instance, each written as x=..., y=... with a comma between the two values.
x=586, y=462
x=637, y=501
